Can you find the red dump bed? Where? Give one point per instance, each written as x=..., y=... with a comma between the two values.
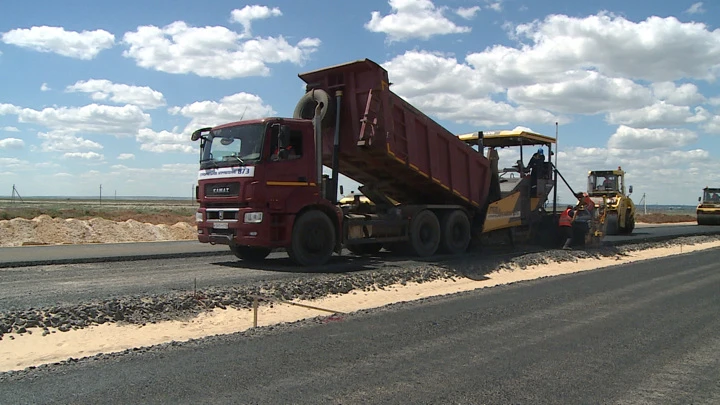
x=388, y=144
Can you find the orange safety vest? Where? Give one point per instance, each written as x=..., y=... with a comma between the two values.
x=565, y=219
x=589, y=204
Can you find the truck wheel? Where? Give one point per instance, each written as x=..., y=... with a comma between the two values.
x=455, y=232
x=305, y=107
x=365, y=248
x=424, y=233
x=250, y=253
x=313, y=239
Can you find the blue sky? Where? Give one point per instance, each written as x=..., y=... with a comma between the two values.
x=107, y=93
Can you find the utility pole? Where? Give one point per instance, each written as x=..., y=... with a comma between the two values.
x=15, y=193
x=101, y=194
x=115, y=195
x=644, y=203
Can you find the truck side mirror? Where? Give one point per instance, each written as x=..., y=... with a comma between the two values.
x=198, y=134
x=630, y=189
x=699, y=199
x=342, y=191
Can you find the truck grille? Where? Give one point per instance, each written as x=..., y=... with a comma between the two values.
x=222, y=214
x=222, y=190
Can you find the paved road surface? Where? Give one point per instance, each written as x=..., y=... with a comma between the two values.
x=30, y=255
x=42, y=285
x=638, y=333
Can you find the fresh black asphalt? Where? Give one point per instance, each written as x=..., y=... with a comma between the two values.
x=645, y=332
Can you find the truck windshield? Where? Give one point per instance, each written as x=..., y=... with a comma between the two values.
x=233, y=146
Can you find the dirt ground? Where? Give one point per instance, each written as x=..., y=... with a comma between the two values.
x=79, y=226
x=658, y=218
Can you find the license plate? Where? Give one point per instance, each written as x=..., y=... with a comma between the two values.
x=220, y=225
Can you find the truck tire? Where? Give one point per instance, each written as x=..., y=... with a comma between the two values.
x=305, y=107
x=313, y=239
x=424, y=234
x=455, y=232
x=365, y=248
x=250, y=253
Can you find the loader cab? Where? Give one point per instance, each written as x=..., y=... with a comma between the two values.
x=607, y=182
x=710, y=196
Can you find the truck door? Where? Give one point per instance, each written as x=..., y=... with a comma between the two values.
x=289, y=177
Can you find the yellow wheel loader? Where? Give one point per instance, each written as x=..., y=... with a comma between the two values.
x=609, y=186
x=708, y=209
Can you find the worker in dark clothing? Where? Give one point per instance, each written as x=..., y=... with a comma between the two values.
x=565, y=224
x=536, y=165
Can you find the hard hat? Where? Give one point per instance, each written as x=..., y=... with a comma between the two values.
x=540, y=151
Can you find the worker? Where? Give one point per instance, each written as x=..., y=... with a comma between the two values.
x=609, y=183
x=565, y=223
x=585, y=201
x=289, y=153
x=535, y=165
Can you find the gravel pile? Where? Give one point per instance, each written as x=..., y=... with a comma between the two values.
x=150, y=309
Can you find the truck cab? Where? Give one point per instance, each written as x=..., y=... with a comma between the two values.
x=252, y=175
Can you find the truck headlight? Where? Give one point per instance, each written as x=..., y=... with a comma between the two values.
x=198, y=217
x=253, y=217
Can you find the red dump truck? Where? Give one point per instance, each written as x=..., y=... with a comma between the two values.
x=261, y=185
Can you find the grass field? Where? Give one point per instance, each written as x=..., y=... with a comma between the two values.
x=171, y=211
x=156, y=212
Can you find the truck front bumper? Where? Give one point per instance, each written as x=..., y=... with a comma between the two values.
x=228, y=226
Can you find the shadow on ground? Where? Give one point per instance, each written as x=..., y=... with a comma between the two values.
x=474, y=265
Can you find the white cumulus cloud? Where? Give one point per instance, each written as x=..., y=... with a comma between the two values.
x=644, y=138
x=467, y=12
x=11, y=143
x=164, y=141
x=413, y=19
x=230, y=108
x=660, y=114
x=247, y=14
x=695, y=8
x=95, y=118
x=212, y=51
x=100, y=90
x=83, y=45
x=84, y=155
x=65, y=142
